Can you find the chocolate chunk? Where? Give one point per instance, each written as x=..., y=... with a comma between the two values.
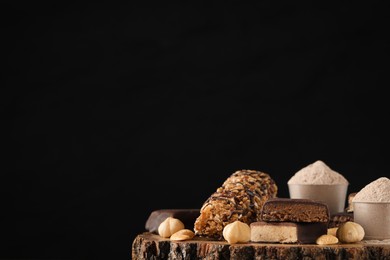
x=338, y=218
x=187, y=216
x=287, y=232
x=294, y=210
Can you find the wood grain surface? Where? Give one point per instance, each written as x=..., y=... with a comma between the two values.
x=151, y=246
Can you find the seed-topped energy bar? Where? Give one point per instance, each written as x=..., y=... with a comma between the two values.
x=241, y=197
x=338, y=218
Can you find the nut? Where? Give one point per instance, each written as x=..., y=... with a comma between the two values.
x=332, y=231
x=237, y=232
x=327, y=240
x=169, y=226
x=350, y=232
x=184, y=234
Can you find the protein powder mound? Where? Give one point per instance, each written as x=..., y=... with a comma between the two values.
x=376, y=191
x=317, y=173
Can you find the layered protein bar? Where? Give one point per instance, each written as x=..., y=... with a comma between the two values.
x=294, y=210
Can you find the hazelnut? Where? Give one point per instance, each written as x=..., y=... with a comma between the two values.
x=350, y=232
x=237, y=232
x=169, y=226
x=332, y=231
x=327, y=240
x=184, y=234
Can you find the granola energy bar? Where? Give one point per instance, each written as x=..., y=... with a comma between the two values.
x=241, y=197
x=338, y=218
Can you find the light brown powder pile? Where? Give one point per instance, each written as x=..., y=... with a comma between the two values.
x=376, y=191
x=317, y=173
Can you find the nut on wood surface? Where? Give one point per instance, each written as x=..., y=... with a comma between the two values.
x=170, y=226
x=327, y=240
x=332, y=231
x=183, y=234
x=237, y=232
x=350, y=232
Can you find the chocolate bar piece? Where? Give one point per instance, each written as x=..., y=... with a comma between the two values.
x=187, y=216
x=287, y=232
x=338, y=218
x=294, y=210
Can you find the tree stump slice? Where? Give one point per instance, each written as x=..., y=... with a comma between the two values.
x=152, y=246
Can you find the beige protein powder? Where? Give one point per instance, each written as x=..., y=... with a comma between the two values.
x=376, y=191
x=317, y=173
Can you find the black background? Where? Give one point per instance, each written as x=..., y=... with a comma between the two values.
x=118, y=110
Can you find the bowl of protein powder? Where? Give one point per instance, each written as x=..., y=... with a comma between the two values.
x=371, y=209
x=318, y=181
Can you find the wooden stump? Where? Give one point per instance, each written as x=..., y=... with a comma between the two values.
x=151, y=246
